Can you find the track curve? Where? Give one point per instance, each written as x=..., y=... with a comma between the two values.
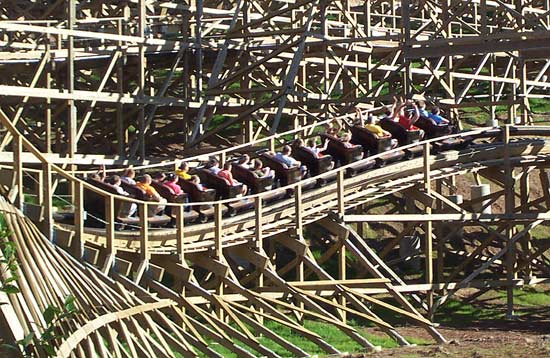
x=319, y=203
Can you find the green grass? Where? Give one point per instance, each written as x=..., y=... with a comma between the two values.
x=60, y=203
x=328, y=332
x=540, y=232
x=31, y=199
x=455, y=313
x=475, y=116
x=235, y=85
x=219, y=119
x=540, y=105
x=293, y=337
x=56, y=202
x=528, y=297
x=491, y=306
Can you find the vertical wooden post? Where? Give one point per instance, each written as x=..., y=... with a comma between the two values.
x=394, y=14
x=326, y=64
x=78, y=246
x=342, y=252
x=71, y=107
x=218, y=250
x=492, y=88
x=368, y=19
x=294, y=22
x=368, y=32
x=511, y=112
x=248, y=127
x=40, y=188
x=303, y=80
x=299, y=236
x=223, y=156
x=406, y=33
x=428, y=229
x=17, y=144
x=248, y=135
x=298, y=210
x=440, y=236
x=198, y=43
x=110, y=216
x=524, y=195
x=509, y=199
x=449, y=63
x=72, y=120
x=120, y=130
x=354, y=33
x=48, y=114
x=515, y=86
x=259, y=243
x=144, y=254
x=342, y=275
x=340, y=194
x=186, y=77
x=180, y=245
x=141, y=78
x=48, y=200
x=483, y=13
x=180, y=225
x=361, y=225
x=522, y=88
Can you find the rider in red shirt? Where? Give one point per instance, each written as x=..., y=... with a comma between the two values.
x=226, y=174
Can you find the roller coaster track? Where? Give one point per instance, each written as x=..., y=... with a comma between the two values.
x=318, y=203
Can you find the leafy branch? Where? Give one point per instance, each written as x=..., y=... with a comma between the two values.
x=53, y=315
x=8, y=261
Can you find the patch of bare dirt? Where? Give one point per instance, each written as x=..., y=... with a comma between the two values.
x=476, y=343
x=525, y=336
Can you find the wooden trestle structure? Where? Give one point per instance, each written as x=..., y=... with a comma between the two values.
x=112, y=82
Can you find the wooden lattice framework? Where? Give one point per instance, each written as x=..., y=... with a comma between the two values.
x=80, y=76
x=100, y=78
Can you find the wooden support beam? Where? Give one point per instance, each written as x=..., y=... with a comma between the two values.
x=78, y=243
x=48, y=200
x=18, y=173
x=144, y=252
x=428, y=230
x=509, y=199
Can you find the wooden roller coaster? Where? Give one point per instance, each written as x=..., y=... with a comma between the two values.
x=148, y=83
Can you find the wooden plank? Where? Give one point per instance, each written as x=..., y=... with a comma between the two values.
x=156, y=272
x=323, y=284
x=122, y=266
x=144, y=231
x=90, y=255
x=14, y=27
x=64, y=238
x=78, y=246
